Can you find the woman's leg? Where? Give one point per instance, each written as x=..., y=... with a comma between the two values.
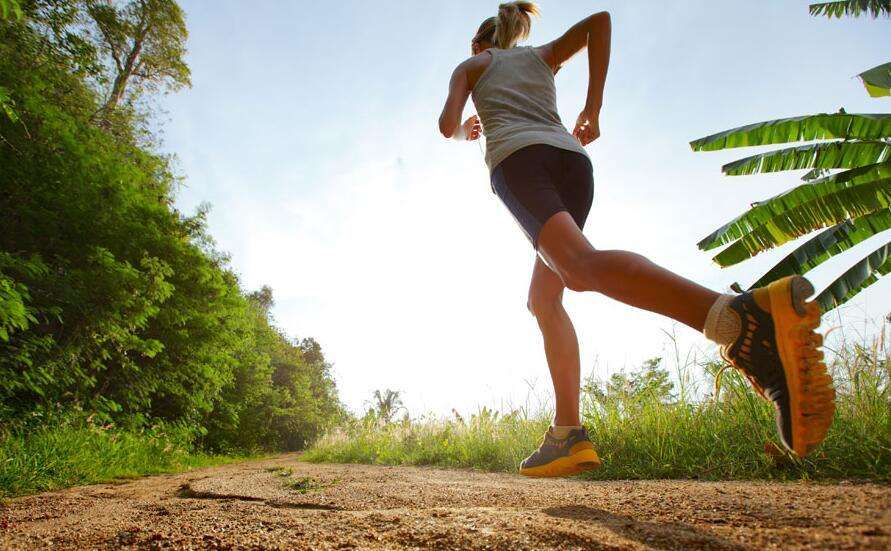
x=560, y=342
x=624, y=276
x=771, y=339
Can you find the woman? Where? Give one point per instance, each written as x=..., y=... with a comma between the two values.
x=543, y=176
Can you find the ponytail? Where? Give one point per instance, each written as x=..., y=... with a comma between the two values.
x=513, y=23
x=510, y=26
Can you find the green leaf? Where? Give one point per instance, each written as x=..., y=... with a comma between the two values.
x=877, y=80
x=835, y=208
x=819, y=155
x=814, y=174
x=853, y=8
x=800, y=129
x=10, y=9
x=6, y=104
x=857, y=278
x=770, y=210
x=827, y=244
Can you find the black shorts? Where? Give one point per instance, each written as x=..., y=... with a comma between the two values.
x=538, y=181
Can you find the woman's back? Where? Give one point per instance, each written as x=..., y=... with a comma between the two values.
x=516, y=100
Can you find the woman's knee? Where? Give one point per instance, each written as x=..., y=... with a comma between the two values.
x=582, y=272
x=544, y=306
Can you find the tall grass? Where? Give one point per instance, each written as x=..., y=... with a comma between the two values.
x=689, y=433
x=68, y=453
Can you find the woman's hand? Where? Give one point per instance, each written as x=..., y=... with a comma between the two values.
x=471, y=128
x=587, y=127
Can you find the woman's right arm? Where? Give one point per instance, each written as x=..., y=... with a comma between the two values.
x=592, y=33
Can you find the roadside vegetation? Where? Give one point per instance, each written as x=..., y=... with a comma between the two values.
x=69, y=453
x=127, y=344
x=659, y=421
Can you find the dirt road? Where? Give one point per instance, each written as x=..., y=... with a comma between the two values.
x=285, y=504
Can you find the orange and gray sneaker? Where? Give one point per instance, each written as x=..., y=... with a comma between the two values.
x=562, y=457
x=778, y=351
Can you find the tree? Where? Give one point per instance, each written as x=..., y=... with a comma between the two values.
x=648, y=384
x=387, y=404
x=849, y=206
x=115, y=306
x=146, y=43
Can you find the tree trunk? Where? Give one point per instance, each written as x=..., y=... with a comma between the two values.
x=123, y=76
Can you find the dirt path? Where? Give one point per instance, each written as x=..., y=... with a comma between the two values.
x=283, y=503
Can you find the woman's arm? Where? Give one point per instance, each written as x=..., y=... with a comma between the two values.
x=592, y=33
x=463, y=79
x=450, y=119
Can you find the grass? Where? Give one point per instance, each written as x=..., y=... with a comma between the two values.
x=643, y=430
x=54, y=457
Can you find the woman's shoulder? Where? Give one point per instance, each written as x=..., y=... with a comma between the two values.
x=474, y=66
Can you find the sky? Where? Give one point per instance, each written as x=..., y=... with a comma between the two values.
x=311, y=129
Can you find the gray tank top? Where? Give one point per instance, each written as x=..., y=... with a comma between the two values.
x=516, y=101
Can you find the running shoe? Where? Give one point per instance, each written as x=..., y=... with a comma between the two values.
x=555, y=457
x=778, y=350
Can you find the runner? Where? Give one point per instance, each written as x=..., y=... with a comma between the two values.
x=544, y=177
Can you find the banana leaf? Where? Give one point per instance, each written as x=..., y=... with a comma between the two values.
x=819, y=155
x=860, y=276
x=853, y=8
x=814, y=174
x=800, y=129
x=763, y=212
x=10, y=9
x=846, y=204
x=877, y=80
x=827, y=244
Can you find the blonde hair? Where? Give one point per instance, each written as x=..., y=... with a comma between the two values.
x=511, y=25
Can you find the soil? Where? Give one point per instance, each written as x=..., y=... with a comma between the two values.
x=282, y=503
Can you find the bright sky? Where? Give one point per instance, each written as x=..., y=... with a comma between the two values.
x=311, y=129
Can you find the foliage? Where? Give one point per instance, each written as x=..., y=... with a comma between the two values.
x=877, y=80
x=649, y=384
x=641, y=430
x=62, y=453
x=855, y=8
x=145, y=40
x=112, y=302
x=385, y=405
x=853, y=203
x=10, y=9
x=797, y=129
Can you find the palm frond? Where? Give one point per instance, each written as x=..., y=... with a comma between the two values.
x=877, y=80
x=764, y=212
x=853, y=8
x=818, y=155
x=827, y=244
x=799, y=129
x=860, y=276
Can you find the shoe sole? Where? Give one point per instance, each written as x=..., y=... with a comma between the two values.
x=811, y=396
x=579, y=462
